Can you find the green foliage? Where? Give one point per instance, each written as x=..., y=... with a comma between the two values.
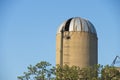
x=110, y=73
x=44, y=71
x=40, y=71
x=67, y=73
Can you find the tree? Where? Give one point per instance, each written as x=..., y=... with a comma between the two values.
x=44, y=71
x=89, y=73
x=67, y=73
x=110, y=73
x=40, y=71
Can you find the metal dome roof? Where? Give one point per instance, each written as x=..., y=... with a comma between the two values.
x=77, y=24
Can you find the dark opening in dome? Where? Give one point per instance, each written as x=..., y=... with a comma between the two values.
x=67, y=25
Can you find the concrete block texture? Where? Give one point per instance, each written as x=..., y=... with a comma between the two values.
x=79, y=48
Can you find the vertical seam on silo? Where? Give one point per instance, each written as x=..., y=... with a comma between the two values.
x=81, y=24
x=89, y=30
x=73, y=24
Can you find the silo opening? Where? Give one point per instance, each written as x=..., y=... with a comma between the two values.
x=67, y=25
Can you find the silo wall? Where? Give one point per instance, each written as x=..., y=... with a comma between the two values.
x=80, y=49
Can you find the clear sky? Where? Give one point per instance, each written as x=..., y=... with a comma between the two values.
x=28, y=30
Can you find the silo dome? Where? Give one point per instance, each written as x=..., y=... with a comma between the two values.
x=77, y=24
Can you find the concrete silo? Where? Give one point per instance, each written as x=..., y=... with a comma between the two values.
x=76, y=43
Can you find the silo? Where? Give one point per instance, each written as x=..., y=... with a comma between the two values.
x=76, y=43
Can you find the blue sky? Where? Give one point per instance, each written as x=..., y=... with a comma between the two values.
x=28, y=30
